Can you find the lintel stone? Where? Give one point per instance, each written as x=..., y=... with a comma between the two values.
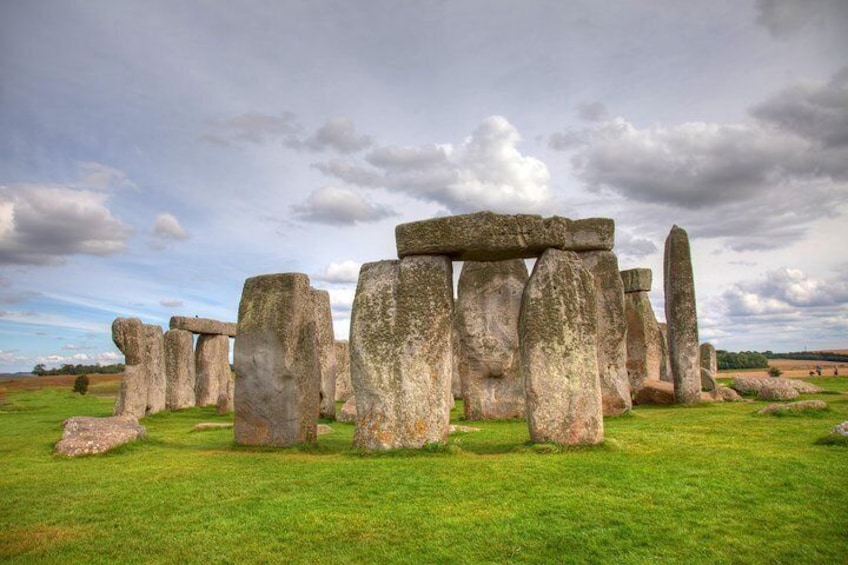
x=203, y=326
x=636, y=280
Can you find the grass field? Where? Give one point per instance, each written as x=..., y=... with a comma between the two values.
x=707, y=484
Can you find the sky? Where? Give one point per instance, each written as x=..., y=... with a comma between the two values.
x=155, y=154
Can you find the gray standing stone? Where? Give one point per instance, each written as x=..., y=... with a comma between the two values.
x=486, y=236
x=212, y=367
x=203, y=326
x=179, y=369
x=400, y=352
x=347, y=413
x=644, y=340
x=486, y=329
x=558, y=329
x=637, y=280
x=665, y=364
x=344, y=388
x=326, y=352
x=456, y=379
x=84, y=435
x=709, y=366
x=225, y=398
x=612, y=331
x=682, y=317
x=154, y=364
x=276, y=358
x=129, y=336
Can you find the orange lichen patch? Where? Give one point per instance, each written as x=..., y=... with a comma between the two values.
x=36, y=540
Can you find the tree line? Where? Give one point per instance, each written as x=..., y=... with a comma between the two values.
x=68, y=369
x=741, y=360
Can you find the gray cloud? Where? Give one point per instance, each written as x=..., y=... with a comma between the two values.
x=340, y=273
x=166, y=230
x=786, y=18
x=339, y=134
x=592, y=111
x=258, y=128
x=43, y=224
x=630, y=246
x=171, y=303
x=340, y=207
x=96, y=176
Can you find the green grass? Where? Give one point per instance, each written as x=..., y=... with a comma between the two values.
x=711, y=484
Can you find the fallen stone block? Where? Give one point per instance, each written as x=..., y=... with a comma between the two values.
x=85, y=435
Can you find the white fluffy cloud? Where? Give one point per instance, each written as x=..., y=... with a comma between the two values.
x=485, y=171
x=340, y=206
x=344, y=272
x=167, y=229
x=43, y=224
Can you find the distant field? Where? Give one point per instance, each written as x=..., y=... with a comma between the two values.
x=97, y=384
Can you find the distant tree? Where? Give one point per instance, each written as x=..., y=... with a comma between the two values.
x=774, y=372
x=81, y=384
x=39, y=370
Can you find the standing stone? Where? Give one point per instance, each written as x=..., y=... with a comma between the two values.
x=212, y=367
x=344, y=388
x=644, y=348
x=326, y=352
x=682, y=317
x=558, y=329
x=225, y=398
x=665, y=364
x=709, y=366
x=128, y=335
x=486, y=327
x=612, y=331
x=179, y=369
x=154, y=363
x=276, y=358
x=400, y=352
x=456, y=380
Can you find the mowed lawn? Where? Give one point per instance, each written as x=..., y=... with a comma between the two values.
x=707, y=484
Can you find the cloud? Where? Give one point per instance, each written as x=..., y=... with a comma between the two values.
x=171, y=303
x=786, y=291
x=486, y=171
x=72, y=347
x=43, y=224
x=631, y=247
x=96, y=176
x=339, y=134
x=258, y=128
x=592, y=111
x=167, y=229
x=344, y=272
x=786, y=18
x=340, y=207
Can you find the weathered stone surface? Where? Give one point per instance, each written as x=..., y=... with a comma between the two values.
x=212, y=368
x=276, y=359
x=841, y=429
x=347, y=413
x=708, y=382
x=323, y=429
x=154, y=367
x=655, y=392
x=558, y=328
x=486, y=236
x=456, y=379
x=207, y=426
x=400, y=352
x=637, y=280
x=665, y=364
x=225, y=403
x=486, y=328
x=748, y=385
x=84, y=435
x=643, y=340
x=344, y=388
x=773, y=390
x=326, y=352
x=682, y=317
x=726, y=394
x=203, y=326
x=179, y=369
x=709, y=359
x=801, y=406
x=454, y=429
x=612, y=331
x=129, y=335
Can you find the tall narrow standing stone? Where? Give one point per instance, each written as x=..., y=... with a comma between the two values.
x=558, y=329
x=212, y=367
x=128, y=335
x=709, y=366
x=154, y=362
x=682, y=317
x=400, y=352
x=344, y=388
x=644, y=347
x=612, y=331
x=276, y=358
x=486, y=325
x=326, y=352
x=179, y=369
x=665, y=364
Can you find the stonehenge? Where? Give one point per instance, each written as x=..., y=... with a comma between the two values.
x=709, y=366
x=212, y=368
x=143, y=388
x=344, y=389
x=681, y=317
x=644, y=338
x=326, y=352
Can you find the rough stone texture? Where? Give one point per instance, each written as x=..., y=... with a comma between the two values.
x=344, y=388
x=841, y=429
x=637, y=280
x=203, y=326
x=400, y=352
x=643, y=340
x=801, y=406
x=326, y=352
x=454, y=429
x=212, y=368
x=347, y=413
x=655, y=392
x=777, y=391
x=456, y=379
x=682, y=317
x=84, y=435
x=179, y=369
x=154, y=366
x=486, y=236
x=709, y=359
x=558, y=328
x=748, y=385
x=726, y=394
x=225, y=404
x=708, y=382
x=612, y=331
x=486, y=328
x=323, y=429
x=129, y=335
x=276, y=358
x=665, y=363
